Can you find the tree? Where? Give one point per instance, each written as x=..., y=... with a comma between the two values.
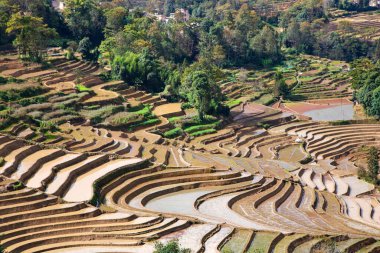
x=266, y=47
x=293, y=35
x=116, y=18
x=169, y=7
x=32, y=36
x=199, y=93
x=6, y=11
x=375, y=103
x=280, y=86
x=373, y=163
x=85, y=47
x=85, y=19
x=376, y=54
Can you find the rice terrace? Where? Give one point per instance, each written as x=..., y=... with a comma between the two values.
x=165, y=126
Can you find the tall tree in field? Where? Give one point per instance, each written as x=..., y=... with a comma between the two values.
x=199, y=94
x=280, y=86
x=32, y=36
x=373, y=163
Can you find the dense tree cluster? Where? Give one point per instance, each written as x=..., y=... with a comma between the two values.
x=306, y=31
x=182, y=57
x=32, y=35
x=366, y=81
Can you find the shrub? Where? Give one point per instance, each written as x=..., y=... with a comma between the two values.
x=306, y=160
x=170, y=247
x=12, y=92
x=186, y=105
x=33, y=100
x=173, y=133
x=47, y=126
x=17, y=186
x=340, y=122
x=263, y=125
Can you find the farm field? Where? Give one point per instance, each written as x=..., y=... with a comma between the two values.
x=101, y=166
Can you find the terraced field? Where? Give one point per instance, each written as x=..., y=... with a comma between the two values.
x=361, y=25
x=75, y=177
x=320, y=78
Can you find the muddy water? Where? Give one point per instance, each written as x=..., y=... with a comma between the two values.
x=292, y=153
x=340, y=112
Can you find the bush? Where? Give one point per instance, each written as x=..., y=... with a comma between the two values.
x=173, y=133
x=13, y=93
x=170, y=247
x=263, y=125
x=17, y=186
x=186, y=105
x=306, y=160
x=33, y=100
x=340, y=122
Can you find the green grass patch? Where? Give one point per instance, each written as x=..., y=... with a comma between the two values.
x=173, y=133
x=141, y=109
x=265, y=99
x=82, y=88
x=197, y=128
x=50, y=137
x=144, y=123
x=233, y=103
x=203, y=132
x=308, y=78
x=175, y=119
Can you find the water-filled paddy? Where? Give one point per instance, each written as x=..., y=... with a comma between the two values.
x=341, y=112
x=180, y=203
x=291, y=153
